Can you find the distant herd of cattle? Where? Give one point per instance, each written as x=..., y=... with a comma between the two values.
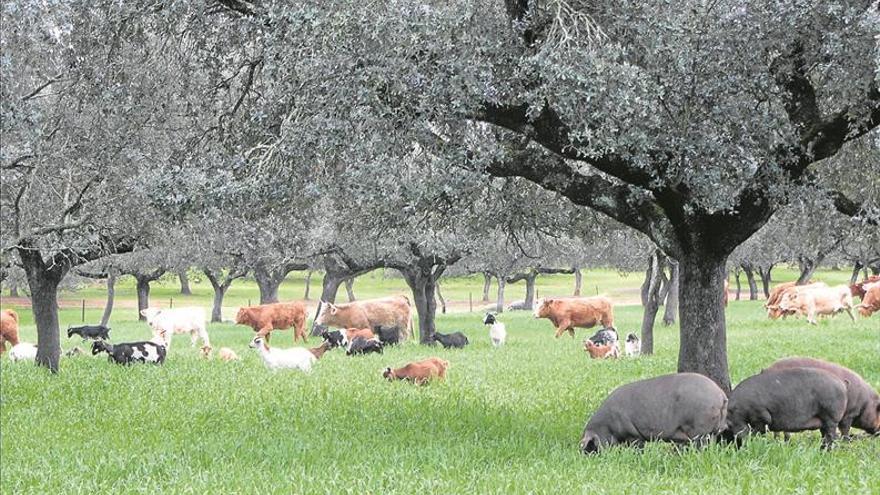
x=815, y=395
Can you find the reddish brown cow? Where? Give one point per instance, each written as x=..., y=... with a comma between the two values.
x=388, y=312
x=8, y=329
x=353, y=333
x=419, y=372
x=858, y=289
x=602, y=351
x=568, y=313
x=776, y=293
x=871, y=301
x=278, y=316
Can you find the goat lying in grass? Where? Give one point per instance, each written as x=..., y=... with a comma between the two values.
x=131, y=352
x=275, y=359
x=225, y=353
x=361, y=345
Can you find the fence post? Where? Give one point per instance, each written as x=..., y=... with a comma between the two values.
x=597, y=290
x=83, y=310
x=249, y=302
x=171, y=303
x=471, y=302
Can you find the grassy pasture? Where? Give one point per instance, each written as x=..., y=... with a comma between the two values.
x=506, y=420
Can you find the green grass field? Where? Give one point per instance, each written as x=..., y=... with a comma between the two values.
x=506, y=421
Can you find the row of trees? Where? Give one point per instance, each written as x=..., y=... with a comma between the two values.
x=345, y=136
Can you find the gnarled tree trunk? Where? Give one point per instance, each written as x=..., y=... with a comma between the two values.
x=184, y=282
x=736, y=273
x=857, y=267
x=652, y=302
x=703, y=330
x=764, y=273
x=499, y=303
x=43, y=285
x=578, y=280
x=487, y=284
x=440, y=298
x=750, y=277
x=308, y=284
x=349, y=289
x=111, y=295
x=268, y=283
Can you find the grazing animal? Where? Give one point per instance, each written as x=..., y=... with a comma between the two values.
x=8, y=329
x=568, y=313
x=858, y=289
x=167, y=322
x=275, y=359
x=680, y=408
x=419, y=372
x=454, y=340
x=76, y=351
x=772, y=304
x=497, y=330
x=93, y=332
x=388, y=335
x=787, y=400
x=265, y=318
x=335, y=338
x=23, y=351
x=871, y=300
x=361, y=345
x=394, y=311
x=604, y=351
x=131, y=352
x=605, y=336
x=816, y=301
x=517, y=306
x=320, y=350
x=364, y=333
x=862, y=401
x=633, y=346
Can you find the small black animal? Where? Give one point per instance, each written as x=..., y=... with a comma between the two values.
x=335, y=338
x=93, y=332
x=605, y=336
x=456, y=340
x=361, y=345
x=131, y=352
x=387, y=335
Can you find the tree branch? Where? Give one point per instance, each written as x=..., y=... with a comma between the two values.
x=41, y=88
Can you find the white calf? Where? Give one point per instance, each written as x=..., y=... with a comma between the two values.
x=166, y=322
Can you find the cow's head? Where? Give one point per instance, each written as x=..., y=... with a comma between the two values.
x=542, y=307
x=150, y=314
x=388, y=374
x=328, y=309
x=243, y=317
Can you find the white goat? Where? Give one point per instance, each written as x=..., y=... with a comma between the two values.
x=296, y=357
x=497, y=330
x=166, y=322
x=23, y=352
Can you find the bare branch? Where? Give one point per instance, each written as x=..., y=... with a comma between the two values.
x=41, y=87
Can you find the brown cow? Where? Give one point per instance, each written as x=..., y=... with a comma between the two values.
x=812, y=301
x=419, y=372
x=391, y=312
x=8, y=328
x=353, y=333
x=278, y=316
x=777, y=292
x=568, y=313
x=871, y=300
x=858, y=289
x=610, y=350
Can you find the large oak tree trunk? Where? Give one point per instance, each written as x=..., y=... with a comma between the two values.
x=268, y=286
x=578, y=280
x=440, y=298
x=736, y=274
x=857, y=267
x=808, y=267
x=184, y=282
x=111, y=295
x=423, y=289
x=703, y=334
x=308, y=285
x=44, y=302
x=764, y=273
x=487, y=284
x=329, y=289
x=530, y=290
x=670, y=313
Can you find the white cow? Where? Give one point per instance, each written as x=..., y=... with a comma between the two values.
x=166, y=322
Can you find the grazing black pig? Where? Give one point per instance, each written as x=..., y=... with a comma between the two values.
x=862, y=402
x=680, y=408
x=93, y=332
x=787, y=400
x=388, y=335
x=454, y=340
x=361, y=345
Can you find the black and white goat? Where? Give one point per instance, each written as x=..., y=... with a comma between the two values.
x=131, y=352
x=497, y=330
x=93, y=332
x=361, y=345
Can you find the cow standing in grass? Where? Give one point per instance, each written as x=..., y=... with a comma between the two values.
x=394, y=312
x=265, y=318
x=569, y=313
